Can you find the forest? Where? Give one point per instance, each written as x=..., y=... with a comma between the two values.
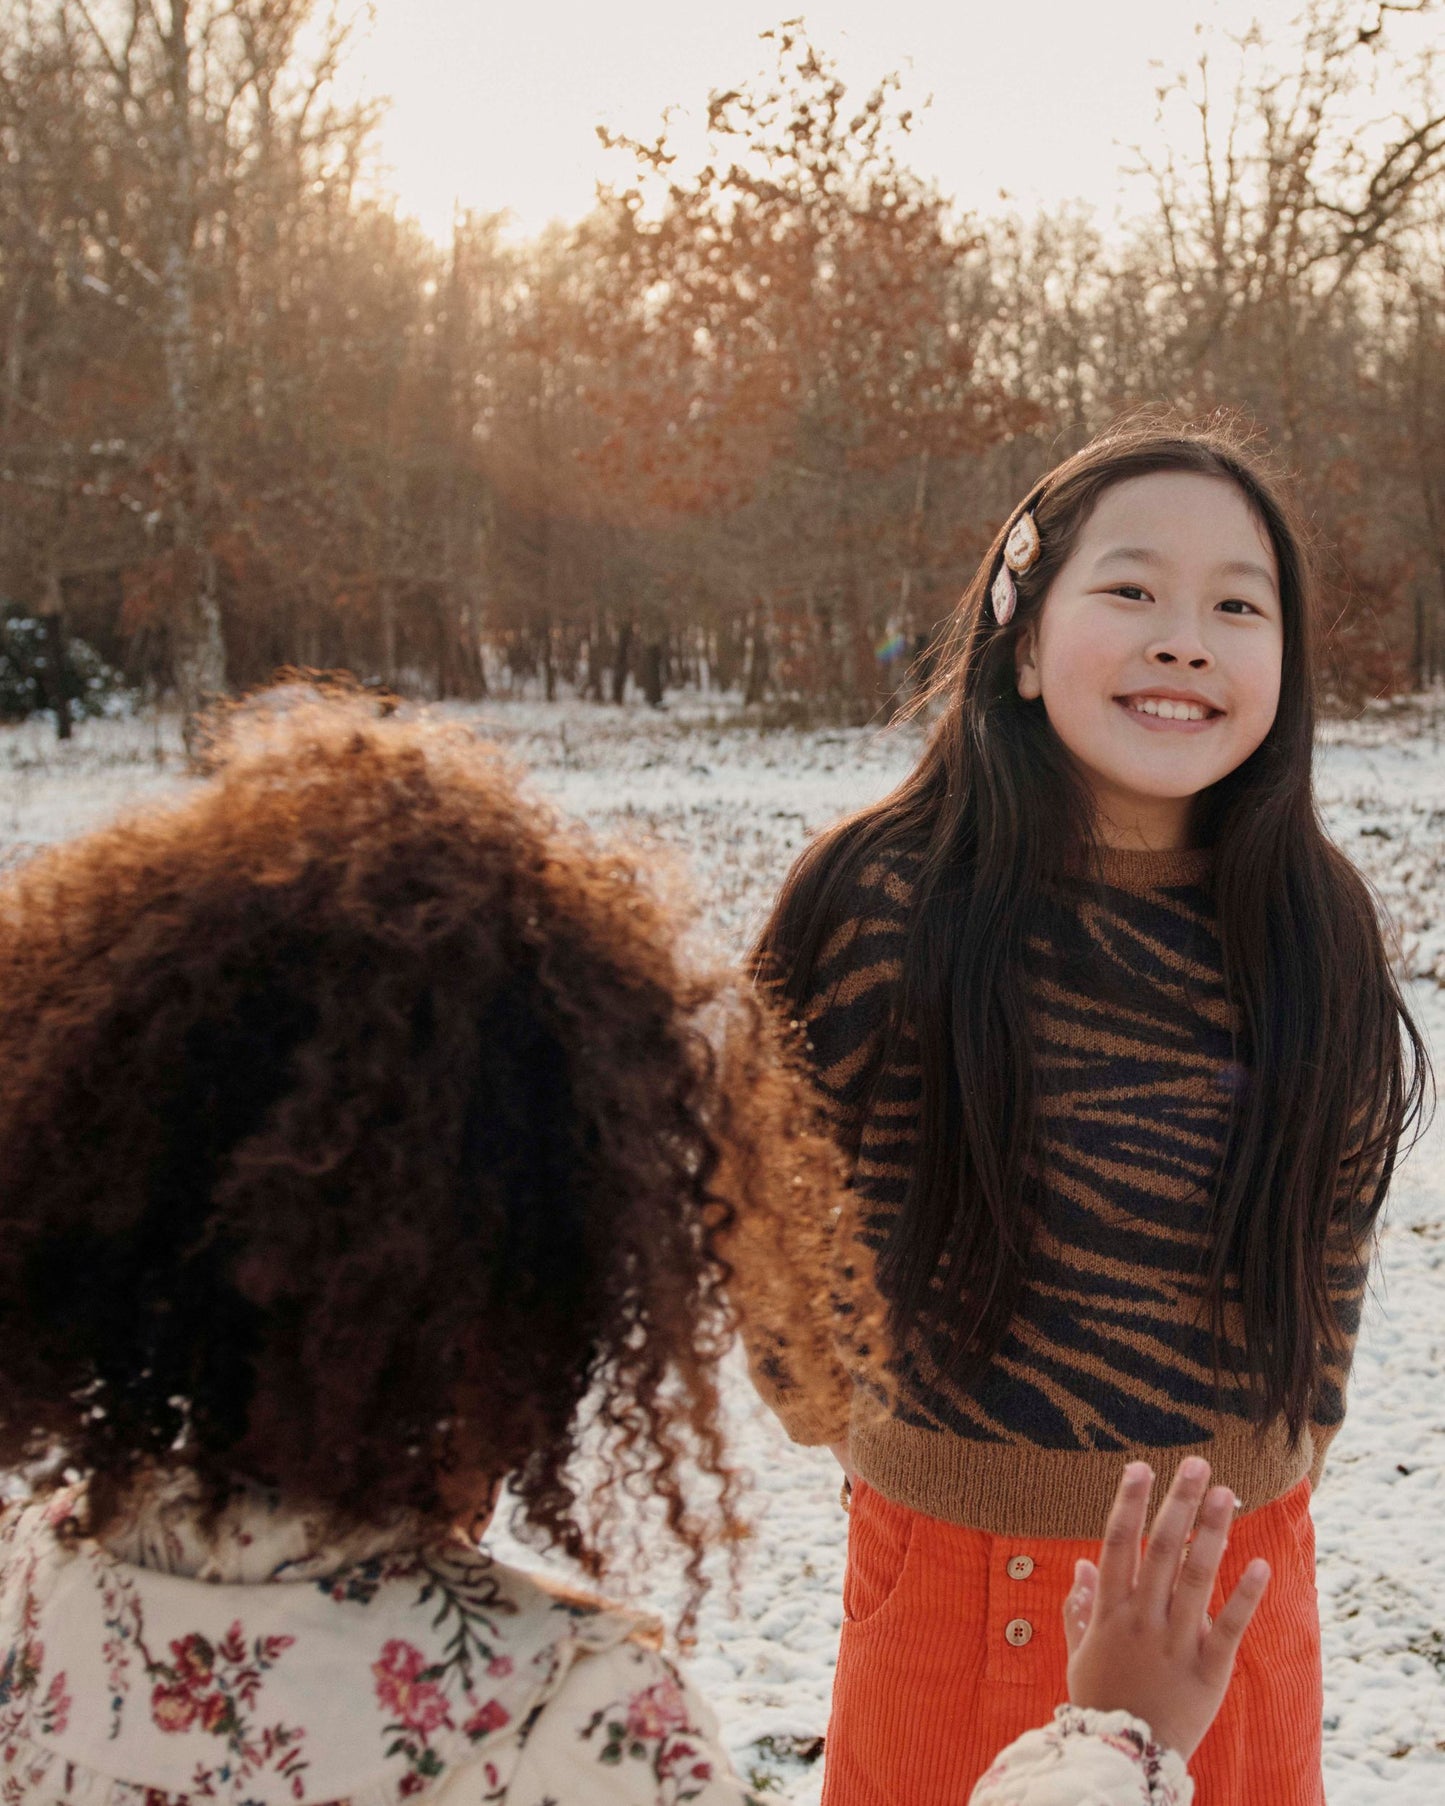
x=747, y=427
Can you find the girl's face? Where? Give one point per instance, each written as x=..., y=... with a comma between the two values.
x=1157, y=650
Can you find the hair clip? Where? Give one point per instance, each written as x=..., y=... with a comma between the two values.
x=1020, y=553
x=1021, y=549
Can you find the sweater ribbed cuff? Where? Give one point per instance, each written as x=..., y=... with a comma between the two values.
x=813, y=1416
x=810, y=1429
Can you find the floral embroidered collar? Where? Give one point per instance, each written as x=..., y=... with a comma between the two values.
x=254, y=1538
x=366, y=1679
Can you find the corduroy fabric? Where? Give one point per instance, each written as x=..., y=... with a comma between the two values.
x=932, y=1681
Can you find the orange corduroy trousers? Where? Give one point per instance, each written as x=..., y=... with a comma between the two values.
x=953, y=1645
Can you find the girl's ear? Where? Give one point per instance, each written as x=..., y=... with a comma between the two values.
x=1025, y=666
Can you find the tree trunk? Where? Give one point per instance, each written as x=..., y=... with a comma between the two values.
x=386, y=608
x=652, y=685
x=758, y=661
x=57, y=686
x=549, y=668
x=198, y=650
x=622, y=662
x=725, y=658
x=593, y=683
x=1420, y=659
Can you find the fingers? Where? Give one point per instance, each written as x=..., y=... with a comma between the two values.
x=1119, y=1556
x=1079, y=1606
x=1219, y=1647
x=1169, y=1532
x=1211, y=1539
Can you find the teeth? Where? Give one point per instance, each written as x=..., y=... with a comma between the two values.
x=1169, y=711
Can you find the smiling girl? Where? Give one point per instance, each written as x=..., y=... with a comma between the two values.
x=1106, y=1030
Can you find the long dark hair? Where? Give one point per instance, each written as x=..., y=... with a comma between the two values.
x=995, y=815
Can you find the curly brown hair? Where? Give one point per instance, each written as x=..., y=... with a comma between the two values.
x=363, y=1126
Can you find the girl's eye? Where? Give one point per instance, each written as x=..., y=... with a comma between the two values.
x=1239, y=602
x=1131, y=592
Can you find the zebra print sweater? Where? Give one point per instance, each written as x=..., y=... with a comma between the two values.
x=1108, y=1359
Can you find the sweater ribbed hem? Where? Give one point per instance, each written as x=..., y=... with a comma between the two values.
x=1016, y=1489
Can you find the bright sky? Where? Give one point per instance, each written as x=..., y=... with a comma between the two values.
x=494, y=102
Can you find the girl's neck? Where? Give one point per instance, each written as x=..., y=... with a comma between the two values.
x=1154, y=825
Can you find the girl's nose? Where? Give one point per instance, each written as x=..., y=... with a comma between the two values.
x=1181, y=651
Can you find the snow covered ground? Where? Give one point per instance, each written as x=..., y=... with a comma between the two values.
x=738, y=805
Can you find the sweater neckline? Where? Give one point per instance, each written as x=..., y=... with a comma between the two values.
x=1143, y=869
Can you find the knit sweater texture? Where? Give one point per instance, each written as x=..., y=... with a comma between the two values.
x=1109, y=1358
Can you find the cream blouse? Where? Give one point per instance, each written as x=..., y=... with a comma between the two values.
x=258, y=1664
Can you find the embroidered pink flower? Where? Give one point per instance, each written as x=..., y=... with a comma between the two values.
x=657, y=1712
x=675, y=1757
x=215, y=1708
x=193, y=1661
x=55, y=1713
x=173, y=1708
x=418, y=1704
x=490, y=1717
x=499, y=1667
x=680, y=1762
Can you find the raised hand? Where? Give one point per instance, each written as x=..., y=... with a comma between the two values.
x=1139, y=1636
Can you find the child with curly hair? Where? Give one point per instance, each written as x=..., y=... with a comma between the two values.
x=366, y=1140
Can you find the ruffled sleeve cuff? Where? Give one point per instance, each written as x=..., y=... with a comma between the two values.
x=1086, y=1758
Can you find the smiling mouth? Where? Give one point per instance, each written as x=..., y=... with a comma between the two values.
x=1162, y=709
